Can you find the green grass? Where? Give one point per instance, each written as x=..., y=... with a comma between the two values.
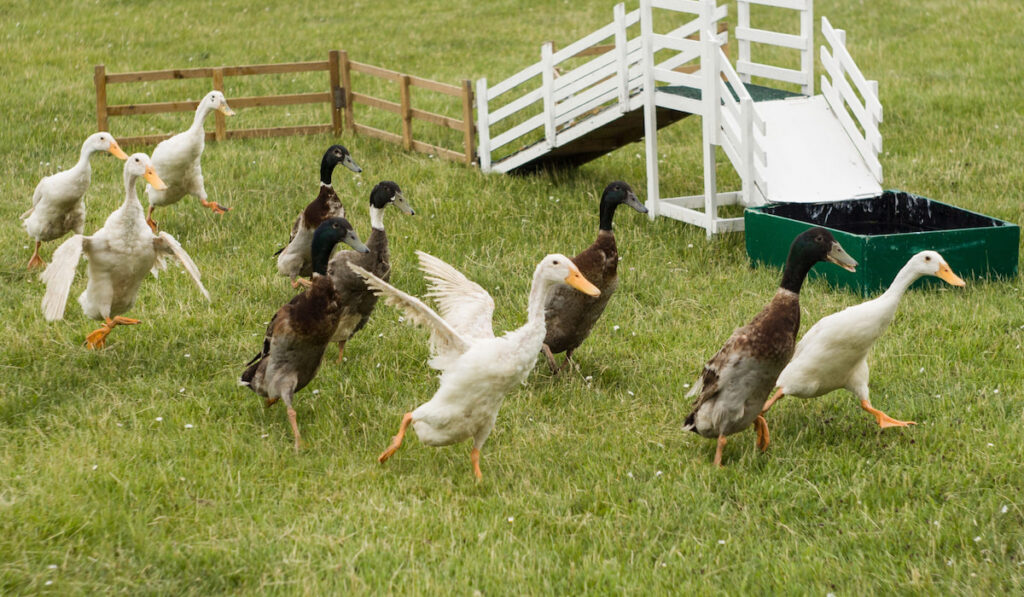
x=590, y=484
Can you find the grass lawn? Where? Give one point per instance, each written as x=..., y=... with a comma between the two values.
x=144, y=468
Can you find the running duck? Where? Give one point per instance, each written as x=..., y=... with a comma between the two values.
x=177, y=161
x=120, y=255
x=833, y=354
x=736, y=382
x=294, y=259
x=571, y=315
x=57, y=205
x=357, y=299
x=299, y=332
x=477, y=367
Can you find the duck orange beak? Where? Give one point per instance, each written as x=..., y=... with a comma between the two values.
x=153, y=179
x=577, y=281
x=116, y=150
x=225, y=110
x=947, y=274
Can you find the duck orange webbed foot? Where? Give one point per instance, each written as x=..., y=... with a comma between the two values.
x=763, y=437
x=36, y=261
x=883, y=419
x=396, y=441
x=303, y=282
x=215, y=207
x=98, y=338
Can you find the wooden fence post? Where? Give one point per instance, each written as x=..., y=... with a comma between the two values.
x=346, y=88
x=403, y=83
x=337, y=100
x=483, y=129
x=100, y=79
x=220, y=131
x=467, y=119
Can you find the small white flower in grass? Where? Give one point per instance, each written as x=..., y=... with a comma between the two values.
x=401, y=319
x=181, y=478
x=1004, y=509
x=991, y=445
x=721, y=541
x=630, y=392
x=315, y=392
x=158, y=419
x=630, y=475
x=52, y=566
x=658, y=473
x=921, y=370
x=830, y=595
x=615, y=328
x=264, y=436
x=935, y=522
x=181, y=390
x=949, y=562
x=187, y=355
x=995, y=391
x=95, y=466
x=48, y=583
x=686, y=385
x=588, y=378
x=977, y=539
x=689, y=246
x=381, y=335
x=511, y=519
x=188, y=425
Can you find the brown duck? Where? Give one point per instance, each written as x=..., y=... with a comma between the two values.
x=357, y=300
x=570, y=315
x=295, y=258
x=737, y=381
x=299, y=332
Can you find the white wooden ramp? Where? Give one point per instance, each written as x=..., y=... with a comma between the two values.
x=812, y=157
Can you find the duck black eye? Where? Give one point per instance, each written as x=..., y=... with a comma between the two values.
x=555, y=262
x=927, y=257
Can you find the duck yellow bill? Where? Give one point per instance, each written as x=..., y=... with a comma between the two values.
x=947, y=274
x=116, y=150
x=153, y=179
x=224, y=109
x=577, y=281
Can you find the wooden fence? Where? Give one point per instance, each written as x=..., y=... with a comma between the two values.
x=339, y=96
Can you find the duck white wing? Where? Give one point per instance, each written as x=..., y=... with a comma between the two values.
x=165, y=244
x=464, y=304
x=58, y=277
x=445, y=342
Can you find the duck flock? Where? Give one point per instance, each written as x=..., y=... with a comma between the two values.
x=339, y=291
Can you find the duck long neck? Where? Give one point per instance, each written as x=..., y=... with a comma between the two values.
x=131, y=203
x=326, y=171
x=376, y=218
x=201, y=113
x=82, y=165
x=321, y=256
x=607, y=213
x=795, y=273
x=540, y=293
x=892, y=295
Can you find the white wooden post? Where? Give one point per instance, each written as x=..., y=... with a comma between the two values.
x=709, y=94
x=747, y=149
x=650, y=109
x=743, y=22
x=807, y=53
x=622, y=53
x=548, y=75
x=483, y=129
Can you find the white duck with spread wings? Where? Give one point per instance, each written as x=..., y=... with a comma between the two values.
x=477, y=367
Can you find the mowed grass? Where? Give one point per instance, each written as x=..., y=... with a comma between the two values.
x=590, y=484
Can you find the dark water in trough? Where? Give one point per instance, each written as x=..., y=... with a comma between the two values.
x=892, y=212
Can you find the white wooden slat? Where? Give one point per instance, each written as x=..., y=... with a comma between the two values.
x=677, y=78
x=517, y=131
x=772, y=72
x=848, y=97
x=583, y=103
x=685, y=214
x=863, y=147
x=730, y=149
x=666, y=42
x=591, y=39
x=514, y=81
x=680, y=59
x=689, y=6
x=548, y=86
x=515, y=106
x=791, y=4
x=763, y=36
x=842, y=55
x=678, y=103
x=588, y=74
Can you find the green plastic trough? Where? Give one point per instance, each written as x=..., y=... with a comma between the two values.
x=882, y=233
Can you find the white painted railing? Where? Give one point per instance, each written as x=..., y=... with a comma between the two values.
x=741, y=132
x=608, y=78
x=803, y=42
x=842, y=97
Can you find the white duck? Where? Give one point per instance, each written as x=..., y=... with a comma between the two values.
x=176, y=161
x=833, y=353
x=120, y=254
x=477, y=367
x=57, y=206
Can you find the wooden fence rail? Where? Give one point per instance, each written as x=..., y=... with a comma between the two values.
x=339, y=96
